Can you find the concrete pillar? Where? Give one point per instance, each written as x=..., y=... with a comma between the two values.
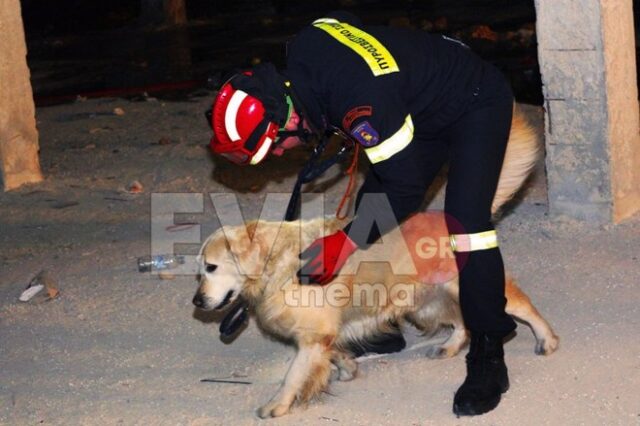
x=18, y=134
x=586, y=50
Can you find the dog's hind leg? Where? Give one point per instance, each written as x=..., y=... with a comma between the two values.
x=308, y=375
x=347, y=367
x=370, y=335
x=453, y=344
x=519, y=306
x=441, y=309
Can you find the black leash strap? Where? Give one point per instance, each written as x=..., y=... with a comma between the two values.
x=235, y=318
x=311, y=171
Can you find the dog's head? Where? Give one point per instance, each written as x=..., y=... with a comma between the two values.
x=226, y=259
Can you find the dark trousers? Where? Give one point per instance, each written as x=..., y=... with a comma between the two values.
x=474, y=145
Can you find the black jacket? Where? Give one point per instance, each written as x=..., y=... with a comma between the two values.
x=388, y=88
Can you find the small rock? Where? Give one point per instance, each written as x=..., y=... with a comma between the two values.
x=118, y=111
x=166, y=276
x=135, y=187
x=95, y=130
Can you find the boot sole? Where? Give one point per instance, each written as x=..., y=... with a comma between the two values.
x=490, y=405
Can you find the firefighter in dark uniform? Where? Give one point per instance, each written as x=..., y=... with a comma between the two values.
x=413, y=101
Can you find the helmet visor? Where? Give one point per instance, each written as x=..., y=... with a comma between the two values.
x=236, y=157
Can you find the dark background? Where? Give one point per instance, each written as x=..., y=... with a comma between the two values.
x=94, y=48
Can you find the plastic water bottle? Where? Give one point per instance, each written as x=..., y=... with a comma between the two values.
x=159, y=262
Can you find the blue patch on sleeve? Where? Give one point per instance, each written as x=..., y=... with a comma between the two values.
x=365, y=134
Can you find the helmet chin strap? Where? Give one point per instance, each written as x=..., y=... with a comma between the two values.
x=302, y=133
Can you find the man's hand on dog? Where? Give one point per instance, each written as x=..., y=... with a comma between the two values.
x=325, y=257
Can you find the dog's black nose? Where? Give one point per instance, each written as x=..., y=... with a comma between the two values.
x=198, y=300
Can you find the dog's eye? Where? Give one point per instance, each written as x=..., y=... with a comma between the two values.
x=210, y=268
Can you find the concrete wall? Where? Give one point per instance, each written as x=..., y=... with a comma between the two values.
x=587, y=60
x=18, y=134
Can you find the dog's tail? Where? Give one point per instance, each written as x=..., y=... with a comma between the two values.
x=523, y=151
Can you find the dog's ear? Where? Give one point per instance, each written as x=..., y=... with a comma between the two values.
x=257, y=248
x=240, y=239
x=247, y=245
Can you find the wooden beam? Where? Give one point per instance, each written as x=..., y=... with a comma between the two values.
x=622, y=100
x=18, y=133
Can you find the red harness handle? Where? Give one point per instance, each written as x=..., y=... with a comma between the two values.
x=348, y=193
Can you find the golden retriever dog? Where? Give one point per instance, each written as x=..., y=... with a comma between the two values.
x=409, y=278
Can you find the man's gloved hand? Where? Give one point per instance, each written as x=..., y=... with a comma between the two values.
x=326, y=256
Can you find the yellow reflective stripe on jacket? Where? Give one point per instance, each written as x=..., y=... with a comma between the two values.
x=371, y=50
x=396, y=143
x=472, y=242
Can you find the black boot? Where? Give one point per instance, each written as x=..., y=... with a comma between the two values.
x=486, y=378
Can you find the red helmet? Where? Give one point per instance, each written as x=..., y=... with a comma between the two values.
x=248, y=112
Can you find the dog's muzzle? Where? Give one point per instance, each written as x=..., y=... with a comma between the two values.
x=203, y=302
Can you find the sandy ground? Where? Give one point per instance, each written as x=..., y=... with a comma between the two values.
x=120, y=347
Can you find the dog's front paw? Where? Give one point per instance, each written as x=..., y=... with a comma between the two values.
x=273, y=409
x=548, y=345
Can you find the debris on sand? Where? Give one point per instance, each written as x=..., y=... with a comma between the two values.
x=135, y=187
x=59, y=205
x=118, y=111
x=160, y=262
x=95, y=130
x=237, y=382
x=42, y=281
x=484, y=32
x=31, y=290
x=164, y=141
x=166, y=276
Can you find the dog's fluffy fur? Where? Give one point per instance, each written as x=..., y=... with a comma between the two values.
x=259, y=262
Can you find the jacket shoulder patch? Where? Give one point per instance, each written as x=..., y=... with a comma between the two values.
x=365, y=134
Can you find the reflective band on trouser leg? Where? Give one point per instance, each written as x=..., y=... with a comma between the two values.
x=396, y=143
x=473, y=242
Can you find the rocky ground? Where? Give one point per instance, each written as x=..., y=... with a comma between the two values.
x=120, y=347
